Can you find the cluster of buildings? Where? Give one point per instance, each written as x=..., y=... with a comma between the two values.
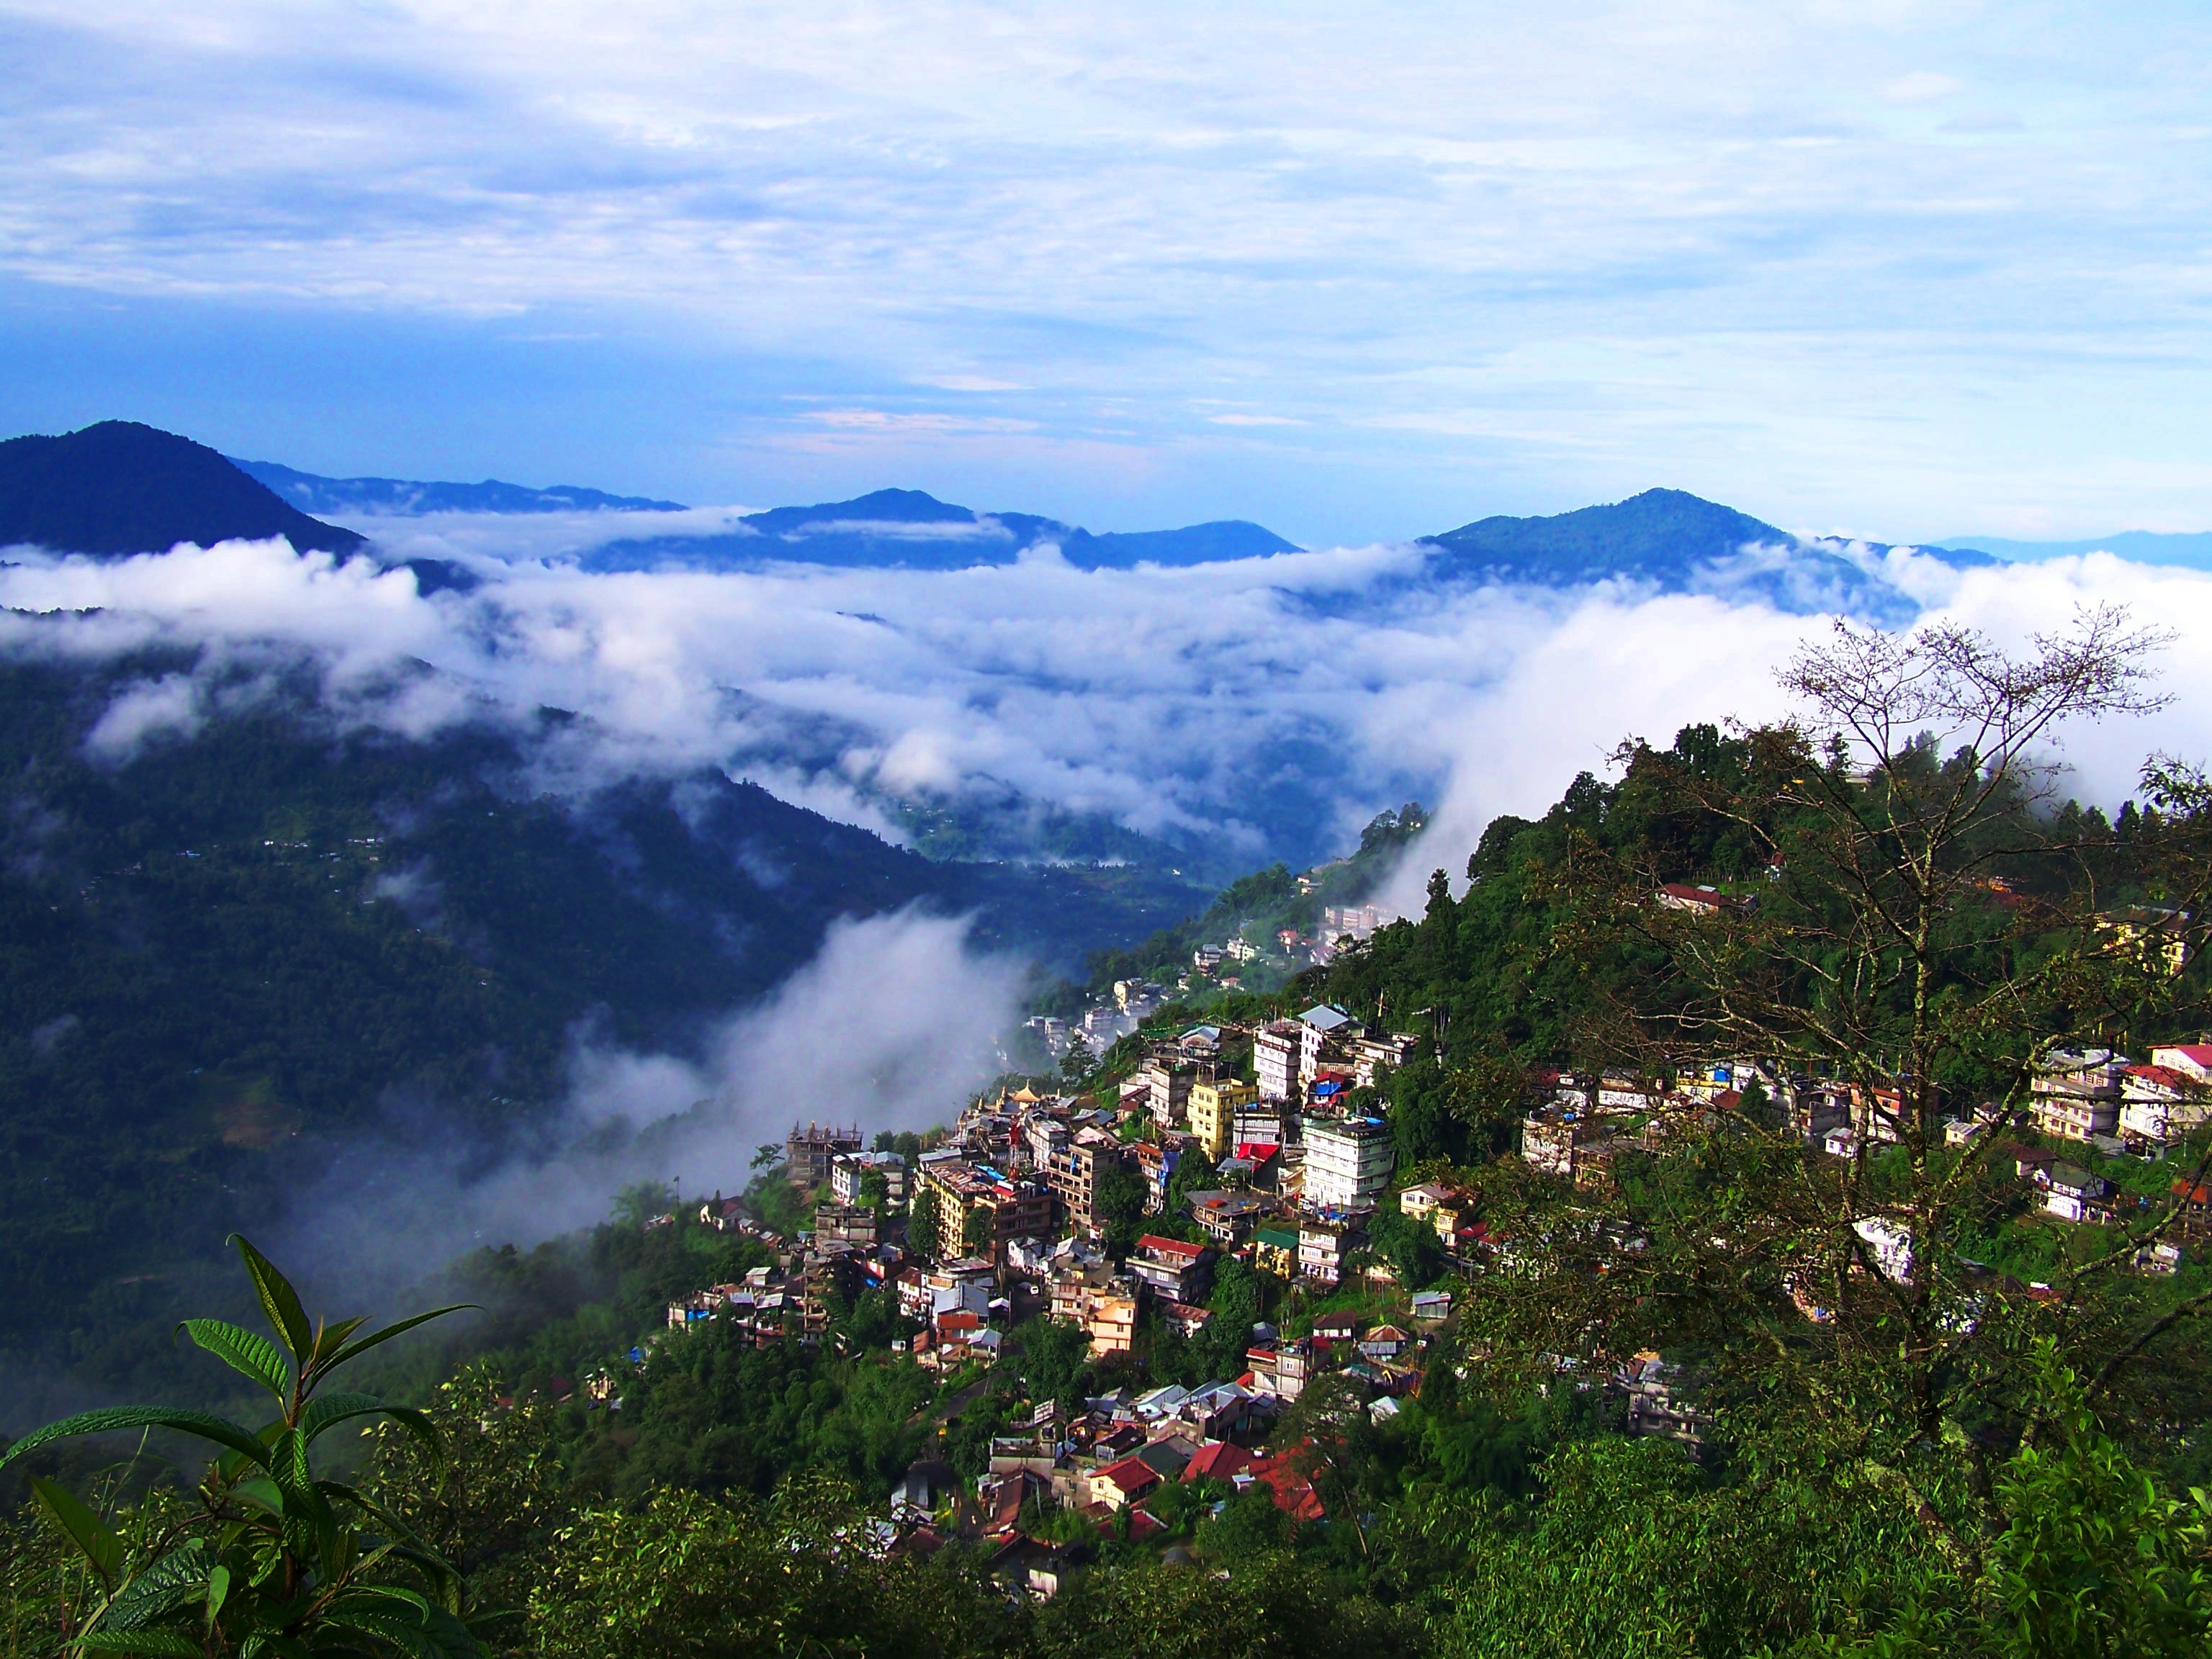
x=2093, y=1097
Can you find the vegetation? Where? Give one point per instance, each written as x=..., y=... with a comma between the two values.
x=1900, y=1447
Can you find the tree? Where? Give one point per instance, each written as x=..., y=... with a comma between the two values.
x=1925, y=936
x=924, y=1224
x=273, y=1558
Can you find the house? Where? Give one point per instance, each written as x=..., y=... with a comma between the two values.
x=1183, y=1319
x=1841, y=1142
x=1217, y=1459
x=1418, y=1201
x=2192, y=1059
x=848, y=1172
x=1384, y=1342
x=1551, y=1141
x=1702, y=902
x=1228, y=1217
x=1430, y=1307
x=1888, y=1245
x=844, y=1227
x=1322, y=1247
x=2074, y=1192
x=2161, y=1103
x=1275, y=1250
x=1321, y=1028
x=1171, y=1269
x=1122, y=1483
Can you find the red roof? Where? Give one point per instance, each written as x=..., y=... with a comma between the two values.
x=1220, y=1460
x=2197, y=1054
x=1294, y=1494
x=957, y=1319
x=2165, y=1076
x=1158, y=1246
x=1132, y=1476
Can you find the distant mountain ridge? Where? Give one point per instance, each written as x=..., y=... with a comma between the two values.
x=1679, y=543
x=313, y=493
x=2190, y=549
x=909, y=529
x=120, y=487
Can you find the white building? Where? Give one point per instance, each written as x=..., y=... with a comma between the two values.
x=1323, y=1024
x=1276, y=1050
x=1348, y=1162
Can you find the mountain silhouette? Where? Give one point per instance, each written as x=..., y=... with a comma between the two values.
x=121, y=487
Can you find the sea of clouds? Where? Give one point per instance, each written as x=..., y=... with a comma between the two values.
x=1142, y=694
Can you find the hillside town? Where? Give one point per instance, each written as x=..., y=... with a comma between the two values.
x=1265, y=1152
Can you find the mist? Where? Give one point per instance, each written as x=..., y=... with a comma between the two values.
x=894, y=1024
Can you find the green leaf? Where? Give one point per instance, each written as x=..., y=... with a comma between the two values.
x=279, y=1301
x=176, y=1578
x=355, y=1349
x=167, y=1644
x=112, y=1418
x=94, y=1539
x=242, y=1351
x=218, y=1592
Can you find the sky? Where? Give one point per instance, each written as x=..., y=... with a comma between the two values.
x=1897, y=270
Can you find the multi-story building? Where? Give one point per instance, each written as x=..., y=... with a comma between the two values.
x=1348, y=1162
x=808, y=1153
x=844, y=1227
x=1167, y=1079
x=2077, y=1093
x=1075, y=1171
x=1169, y=1268
x=979, y=1209
x=849, y=1171
x=1551, y=1141
x=1156, y=1162
x=1372, y=1055
x=1322, y=1247
x=1323, y=1030
x=1275, y=1050
x=1214, y=1101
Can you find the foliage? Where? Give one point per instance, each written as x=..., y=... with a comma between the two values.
x=273, y=1558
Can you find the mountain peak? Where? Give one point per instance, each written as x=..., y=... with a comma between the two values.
x=123, y=487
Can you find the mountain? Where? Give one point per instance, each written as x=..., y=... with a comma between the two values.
x=2192, y=549
x=407, y=496
x=120, y=487
x=908, y=529
x=1679, y=543
x=244, y=947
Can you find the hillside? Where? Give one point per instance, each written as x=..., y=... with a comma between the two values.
x=231, y=949
x=119, y=487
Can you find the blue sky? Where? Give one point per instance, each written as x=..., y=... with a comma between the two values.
x=1898, y=270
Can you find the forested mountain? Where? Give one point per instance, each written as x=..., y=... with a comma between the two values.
x=119, y=487
x=908, y=529
x=237, y=945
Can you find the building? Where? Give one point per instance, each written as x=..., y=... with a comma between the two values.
x=2153, y=936
x=844, y=1227
x=1227, y=1218
x=1275, y=1250
x=1373, y=1055
x=1702, y=903
x=1348, y=1162
x=1075, y=1172
x=2076, y=1094
x=2073, y=1194
x=1276, y=1048
x=1322, y=1247
x=1167, y=1080
x=1321, y=1029
x=1171, y=1269
x=1156, y=1163
x=980, y=1210
x=809, y=1153
x=848, y=1172
x=1214, y=1102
